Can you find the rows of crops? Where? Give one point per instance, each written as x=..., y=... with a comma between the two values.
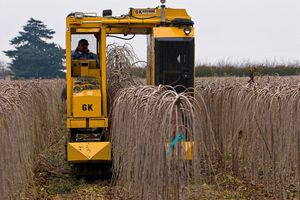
x=256, y=129
x=30, y=116
x=249, y=130
x=246, y=129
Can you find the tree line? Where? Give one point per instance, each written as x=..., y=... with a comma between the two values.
x=260, y=70
x=236, y=70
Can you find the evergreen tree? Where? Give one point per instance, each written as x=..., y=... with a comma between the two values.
x=33, y=55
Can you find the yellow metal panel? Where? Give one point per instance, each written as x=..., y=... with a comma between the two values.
x=151, y=75
x=168, y=32
x=176, y=13
x=76, y=70
x=92, y=22
x=95, y=123
x=150, y=59
x=87, y=103
x=95, y=73
x=103, y=70
x=68, y=63
x=82, y=123
x=188, y=148
x=87, y=30
x=89, y=151
x=84, y=71
x=77, y=123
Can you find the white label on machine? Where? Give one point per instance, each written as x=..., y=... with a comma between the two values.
x=145, y=11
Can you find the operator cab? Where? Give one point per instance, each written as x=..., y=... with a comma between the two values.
x=85, y=55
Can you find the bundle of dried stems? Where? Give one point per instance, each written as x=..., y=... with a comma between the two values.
x=257, y=129
x=145, y=121
x=30, y=113
x=120, y=60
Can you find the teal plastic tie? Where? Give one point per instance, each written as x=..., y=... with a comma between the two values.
x=174, y=142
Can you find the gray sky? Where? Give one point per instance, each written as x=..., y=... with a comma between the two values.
x=232, y=30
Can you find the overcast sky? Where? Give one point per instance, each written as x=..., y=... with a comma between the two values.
x=234, y=30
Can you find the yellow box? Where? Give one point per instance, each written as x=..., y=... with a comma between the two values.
x=87, y=103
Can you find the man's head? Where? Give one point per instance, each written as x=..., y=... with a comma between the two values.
x=83, y=46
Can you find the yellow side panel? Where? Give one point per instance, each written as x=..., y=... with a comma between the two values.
x=150, y=60
x=68, y=75
x=94, y=123
x=84, y=71
x=76, y=70
x=87, y=30
x=188, y=148
x=82, y=123
x=89, y=151
x=87, y=103
x=77, y=123
x=168, y=32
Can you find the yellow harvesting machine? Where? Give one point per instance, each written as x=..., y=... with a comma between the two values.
x=170, y=61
